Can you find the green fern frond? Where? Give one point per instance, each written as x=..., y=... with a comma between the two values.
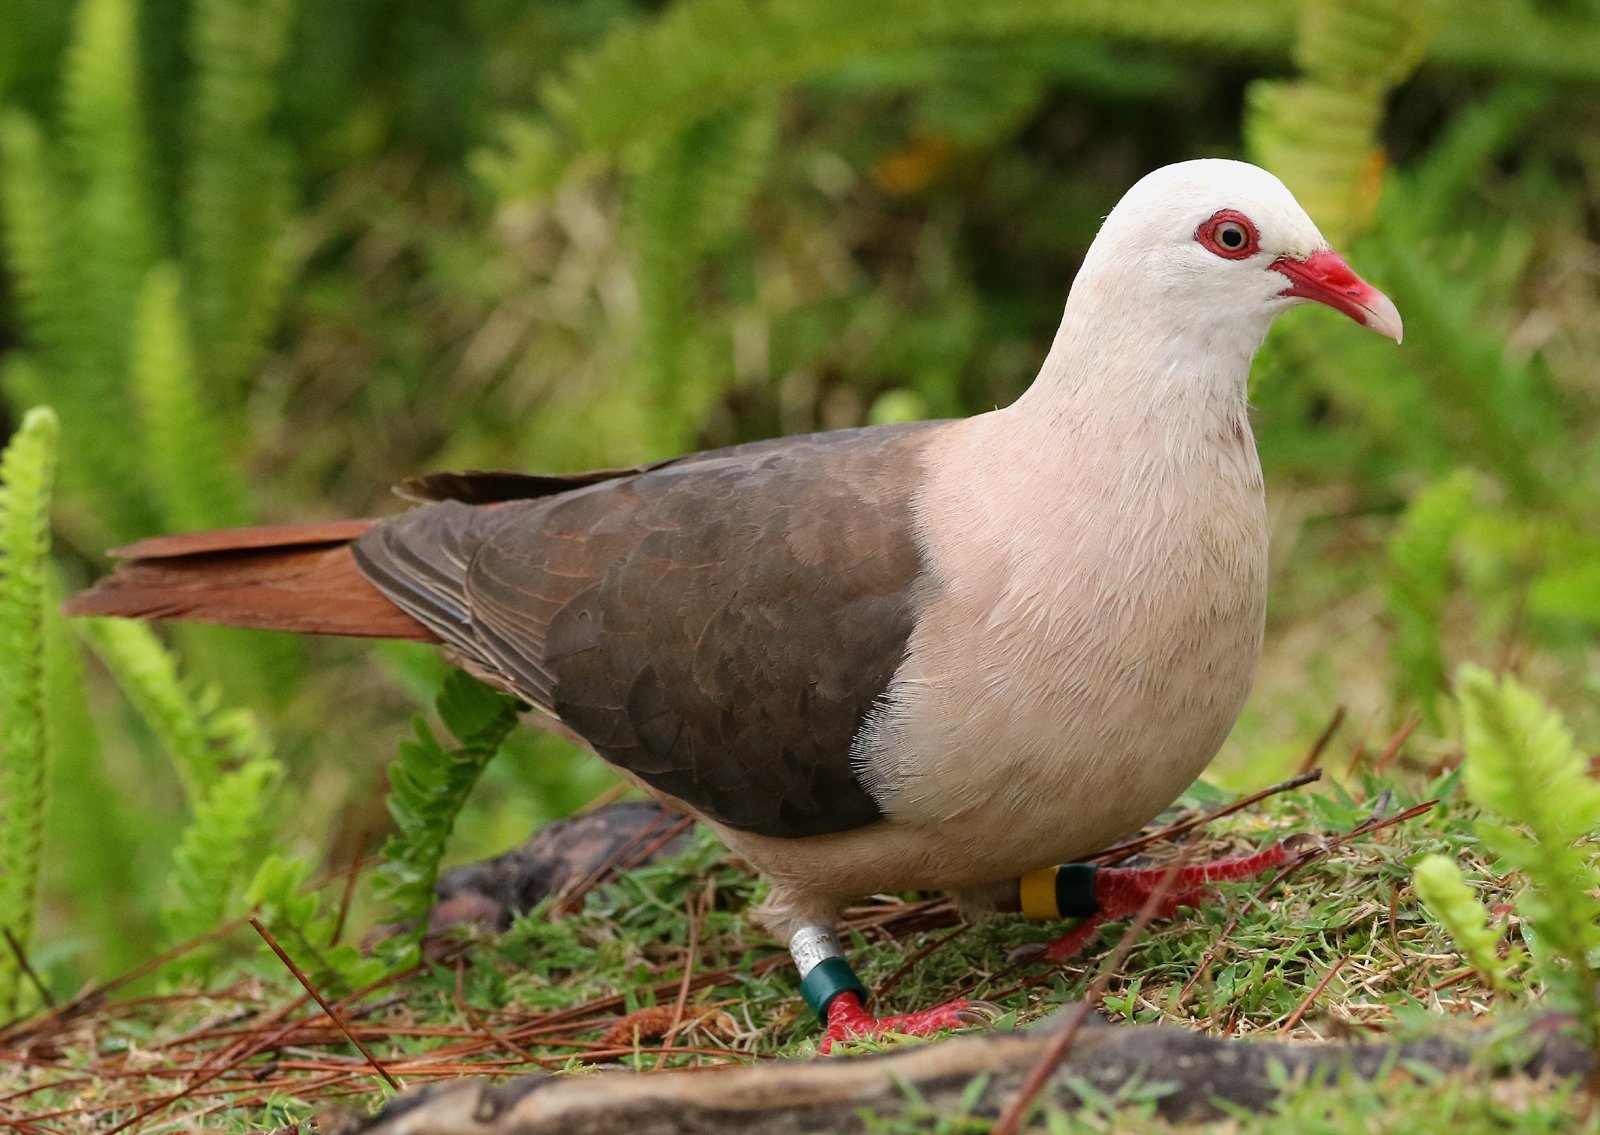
x=528, y=161
x=189, y=466
x=70, y=358
x=1523, y=766
x=104, y=131
x=296, y=918
x=1419, y=554
x=201, y=738
x=976, y=92
x=1370, y=42
x=27, y=473
x=428, y=785
x=210, y=861
x=239, y=188
x=40, y=248
x=226, y=765
x=92, y=867
x=1319, y=132
x=1440, y=885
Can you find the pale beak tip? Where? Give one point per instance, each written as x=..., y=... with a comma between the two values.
x=1383, y=317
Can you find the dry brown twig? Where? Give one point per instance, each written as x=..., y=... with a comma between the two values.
x=1011, y=1118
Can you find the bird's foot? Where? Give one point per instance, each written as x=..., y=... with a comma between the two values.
x=1117, y=892
x=849, y=1020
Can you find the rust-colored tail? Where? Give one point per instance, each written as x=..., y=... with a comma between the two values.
x=289, y=577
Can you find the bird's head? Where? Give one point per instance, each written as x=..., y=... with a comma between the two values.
x=1224, y=244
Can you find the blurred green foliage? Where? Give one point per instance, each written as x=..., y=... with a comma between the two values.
x=267, y=258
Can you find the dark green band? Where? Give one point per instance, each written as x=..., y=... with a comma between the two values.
x=1075, y=890
x=830, y=977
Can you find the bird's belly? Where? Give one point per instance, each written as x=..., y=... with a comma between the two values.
x=1014, y=745
x=1021, y=794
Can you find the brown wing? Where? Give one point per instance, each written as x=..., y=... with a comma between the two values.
x=719, y=626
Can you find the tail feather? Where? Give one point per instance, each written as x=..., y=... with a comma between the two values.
x=263, y=537
x=298, y=577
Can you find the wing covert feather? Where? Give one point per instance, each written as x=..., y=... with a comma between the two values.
x=719, y=625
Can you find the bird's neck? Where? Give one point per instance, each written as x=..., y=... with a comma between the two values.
x=1130, y=361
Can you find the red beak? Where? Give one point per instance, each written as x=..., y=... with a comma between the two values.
x=1325, y=278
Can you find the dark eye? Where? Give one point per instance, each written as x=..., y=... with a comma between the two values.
x=1229, y=234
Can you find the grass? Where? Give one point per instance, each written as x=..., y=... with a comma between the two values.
x=1404, y=1105
x=662, y=969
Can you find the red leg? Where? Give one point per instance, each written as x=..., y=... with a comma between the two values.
x=1123, y=891
x=849, y=1020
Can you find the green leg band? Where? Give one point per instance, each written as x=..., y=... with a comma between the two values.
x=829, y=978
x=824, y=972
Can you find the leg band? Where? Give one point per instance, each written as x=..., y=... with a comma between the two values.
x=1066, y=891
x=824, y=972
x=830, y=978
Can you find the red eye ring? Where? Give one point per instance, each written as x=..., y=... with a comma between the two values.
x=1229, y=234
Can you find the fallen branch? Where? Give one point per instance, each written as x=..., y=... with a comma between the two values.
x=1195, y=1073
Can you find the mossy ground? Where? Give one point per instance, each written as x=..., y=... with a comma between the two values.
x=662, y=968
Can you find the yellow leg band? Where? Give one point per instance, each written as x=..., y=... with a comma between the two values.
x=1037, y=890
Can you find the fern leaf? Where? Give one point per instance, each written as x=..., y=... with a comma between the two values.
x=1523, y=766
x=976, y=92
x=46, y=264
x=1319, y=132
x=189, y=466
x=1440, y=885
x=40, y=249
x=104, y=131
x=648, y=82
x=428, y=787
x=208, y=865
x=27, y=471
x=297, y=920
x=226, y=766
x=1517, y=37
x=92, y=866
x=239, y=189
